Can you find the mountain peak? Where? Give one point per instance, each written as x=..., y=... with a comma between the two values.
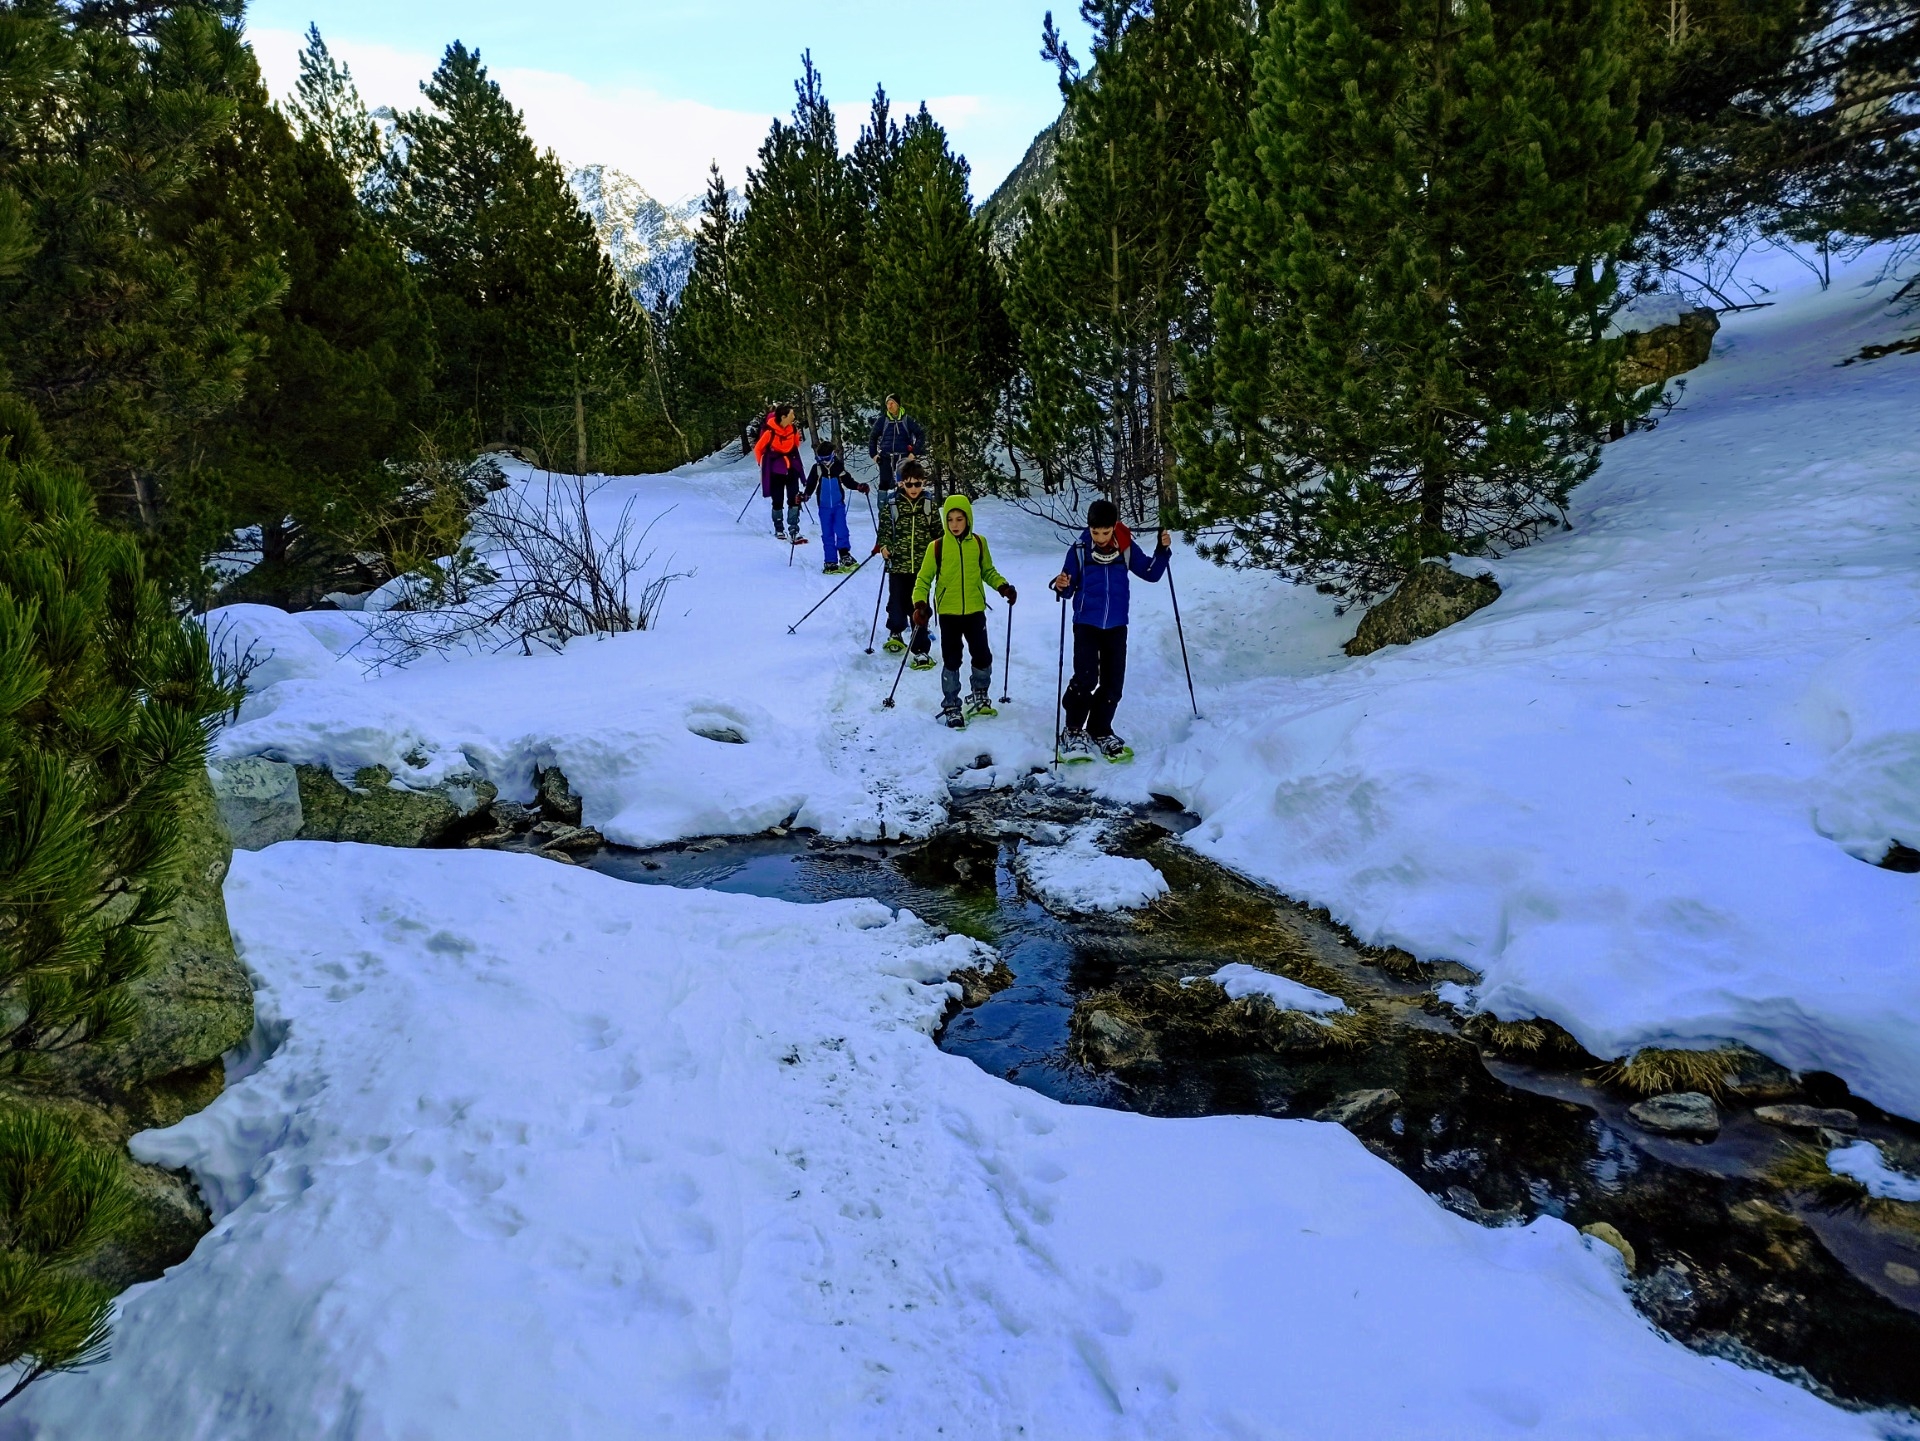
x=649, y=242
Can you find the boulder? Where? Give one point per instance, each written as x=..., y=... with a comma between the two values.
x=1357, y=1108
x=1679, y=1113
x=1659, y=352
x=195, y=1003
x=258, y=800
x=1608, y=1232
x=1429, y=600
x=555, y=796
x=375, y=811
x=1105, y=1041
x=1811, y=1119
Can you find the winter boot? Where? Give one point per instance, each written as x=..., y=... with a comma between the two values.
x=894, y=644
x=980, y=703
x=847, y=562
x=921, y=660
x=1076, y=747
x=951, y=715
x=1113, y=748
x=830, y=568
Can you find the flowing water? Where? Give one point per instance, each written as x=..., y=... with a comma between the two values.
x=1733, y=1253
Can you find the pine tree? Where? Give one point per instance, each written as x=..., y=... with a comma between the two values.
x=934, y=326
x=341, y=389
x=1105, y=283
x=132, y=318
x=800, y=263
x=105, y=699
x=530, y=320
x=706, y=330
x=1413, y=258
x=327, y=106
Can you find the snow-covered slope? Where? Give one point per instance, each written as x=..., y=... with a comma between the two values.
x=1641, y=791
x=542, y=1154
x=650, y=244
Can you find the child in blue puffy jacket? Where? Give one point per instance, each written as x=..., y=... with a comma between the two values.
x=1096, y=576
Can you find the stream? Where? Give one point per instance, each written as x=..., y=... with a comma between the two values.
x=1740, y=1246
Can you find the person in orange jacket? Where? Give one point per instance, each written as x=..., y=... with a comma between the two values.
x=781, y=473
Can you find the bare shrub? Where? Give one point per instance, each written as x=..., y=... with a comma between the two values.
x=534, y=569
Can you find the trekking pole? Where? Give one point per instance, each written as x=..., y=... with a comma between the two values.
x=829, y=595
x=743, y=509
x=1059, y=676
x=1180, y=631
x=887, y=704
x=1006, y=674
x=875, y=629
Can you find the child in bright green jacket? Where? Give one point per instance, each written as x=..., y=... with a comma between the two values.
x=954, y=576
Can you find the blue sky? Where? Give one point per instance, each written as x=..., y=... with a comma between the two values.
x=658, y=88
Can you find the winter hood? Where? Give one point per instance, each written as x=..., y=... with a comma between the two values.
x=964, y=506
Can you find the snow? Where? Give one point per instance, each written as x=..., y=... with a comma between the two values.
x=1240, y=980
x=537, y=1153
x=1649, y=312
x=1638, y=793
x=1077, y=876
x=1862, y=1161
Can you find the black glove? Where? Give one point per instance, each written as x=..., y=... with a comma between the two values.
x=922, y=614
x=1008, y=591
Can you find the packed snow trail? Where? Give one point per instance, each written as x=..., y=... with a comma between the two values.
x=544, y=1154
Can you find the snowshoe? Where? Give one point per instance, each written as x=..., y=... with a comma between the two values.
x=980, y=705
x=951, y=716
x=894, y=645
x=1113, y=748
x=920, y=662
x=1076, y=748
x=847, y=562
x=797, y=539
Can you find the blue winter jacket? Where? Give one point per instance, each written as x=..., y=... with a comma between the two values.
x=1100, y=586
x=899, y=436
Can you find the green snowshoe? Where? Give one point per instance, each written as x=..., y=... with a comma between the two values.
x=980, y=705
x=894, y=645
x=1113, y=748
x=920, y=662
x=1076, y=748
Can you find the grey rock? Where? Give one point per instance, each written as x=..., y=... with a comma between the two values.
x=557, y=837
x=1807, y=1118
x=375, y=811
x=555, y=796
x=1357, y=1108
x=258, y=800
x=1432, y=598
x=1107, y=1041
x=1679, y=1113
x=1754, y=1077
x=978, y=984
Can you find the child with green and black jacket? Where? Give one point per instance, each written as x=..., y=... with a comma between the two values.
x=909, y=521
x=953, y=580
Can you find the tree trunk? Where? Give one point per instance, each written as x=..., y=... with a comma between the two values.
x=579, y=426
x=1162, y=404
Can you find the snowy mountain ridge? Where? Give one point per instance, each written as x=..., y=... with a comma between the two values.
x=649, y=242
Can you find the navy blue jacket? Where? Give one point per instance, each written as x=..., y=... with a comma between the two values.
x=1099, y=587
x=902, y=436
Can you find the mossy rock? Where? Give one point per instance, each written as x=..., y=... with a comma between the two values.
x=1137, y=1022
x=375, y=812
x=1434, y=597
x=1656, y=355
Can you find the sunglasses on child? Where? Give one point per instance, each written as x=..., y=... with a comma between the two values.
x=913, y=485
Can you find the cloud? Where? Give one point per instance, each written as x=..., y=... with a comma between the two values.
x=665, y=144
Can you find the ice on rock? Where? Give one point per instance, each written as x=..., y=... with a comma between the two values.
x=1863, y=1162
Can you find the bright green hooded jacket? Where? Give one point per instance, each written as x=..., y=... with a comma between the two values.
x=956, y=573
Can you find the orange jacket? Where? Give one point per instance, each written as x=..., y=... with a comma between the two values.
x=784, y=439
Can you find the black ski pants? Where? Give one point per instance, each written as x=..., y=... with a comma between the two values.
x=786, y=498
x=971, y=631
x=1099, y=675
x=900, y=610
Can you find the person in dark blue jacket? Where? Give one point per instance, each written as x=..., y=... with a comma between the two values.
x=1096, y=576
x=895, y=437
